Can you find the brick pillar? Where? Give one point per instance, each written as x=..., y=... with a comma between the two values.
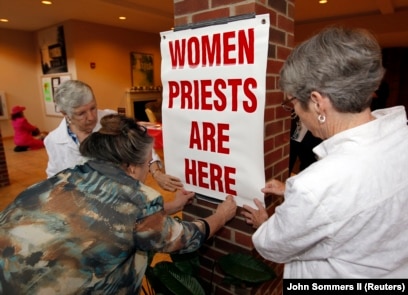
x=4, y=177
x=236, y=236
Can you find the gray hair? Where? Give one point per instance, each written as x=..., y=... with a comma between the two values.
x=343, y=64
x=119, y=141
x=72, y=94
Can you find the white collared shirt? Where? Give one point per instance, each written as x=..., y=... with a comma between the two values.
x=63, y=152
x=346, y=216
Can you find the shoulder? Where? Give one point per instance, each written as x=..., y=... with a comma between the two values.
x=150, y=193
x=58, y=135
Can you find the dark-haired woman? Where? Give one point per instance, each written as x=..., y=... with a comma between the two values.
x=87, y=230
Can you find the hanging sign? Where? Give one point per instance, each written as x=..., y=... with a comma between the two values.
x=213, y=107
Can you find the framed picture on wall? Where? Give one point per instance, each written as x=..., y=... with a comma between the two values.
x=3, y=106
x=142, y=70
x=48, y=86
x=52, y=49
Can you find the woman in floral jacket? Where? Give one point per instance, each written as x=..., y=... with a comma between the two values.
x=88, y=229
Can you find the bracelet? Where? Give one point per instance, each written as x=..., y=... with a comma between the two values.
x=207, y=228
x=158, y=162
x=154, y=172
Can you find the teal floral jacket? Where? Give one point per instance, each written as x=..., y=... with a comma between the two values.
x=87, y=230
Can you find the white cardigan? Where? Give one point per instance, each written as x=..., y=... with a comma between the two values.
x=346, y=216
x=63, y=152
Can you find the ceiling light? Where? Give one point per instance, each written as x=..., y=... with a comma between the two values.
x=122, y=17
x=4, y=20
x=46, y=2
x=322, y=1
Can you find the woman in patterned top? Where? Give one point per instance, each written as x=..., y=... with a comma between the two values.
x=88, y=229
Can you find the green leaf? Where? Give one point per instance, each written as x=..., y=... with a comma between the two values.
x=246, y=268
x=188, y=263
x=177, y=282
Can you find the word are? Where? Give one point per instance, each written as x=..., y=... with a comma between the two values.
x=210, y=176
x=211, y=95
x=228, y=48
x=209, y=137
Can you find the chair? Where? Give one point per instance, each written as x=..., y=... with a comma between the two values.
x=150, y=115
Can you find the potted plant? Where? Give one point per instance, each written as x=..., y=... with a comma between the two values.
x=180, y=277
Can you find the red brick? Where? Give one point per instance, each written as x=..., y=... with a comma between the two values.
x=274, y=127
x=275, y=98
x=181, y=21
x=190, y=6
x=230, y=246
x=270, y=82
x=277, y=36
x=282, y=166
x=279, y=6
x=221, y=13
x=217, y=3
x=246, y=8
x=269, y=114
x=281, y=139
x=290, y=40
x=269, y=145
x=225, y=233
x=283, y=52
x=4, y=177
x=274, y=66
x=275, y=155
x=285, y=24
x=244, y=240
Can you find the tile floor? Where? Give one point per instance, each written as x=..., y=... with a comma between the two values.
x=24, y=169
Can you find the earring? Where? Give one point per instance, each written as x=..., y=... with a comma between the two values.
x=321, y=118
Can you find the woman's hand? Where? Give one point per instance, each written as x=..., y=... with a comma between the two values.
x=275, y=187
x=227, y=209
x=181, y=198
x=167, y=182
x=253, y=216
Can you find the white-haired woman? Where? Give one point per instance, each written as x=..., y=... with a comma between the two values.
x=345, y=216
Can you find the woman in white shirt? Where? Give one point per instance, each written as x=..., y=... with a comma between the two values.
x=345, y=216
x=76, y=101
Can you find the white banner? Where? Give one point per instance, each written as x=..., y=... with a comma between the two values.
x=213, y=107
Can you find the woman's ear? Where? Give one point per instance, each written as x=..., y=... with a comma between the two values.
x=136, y=172
x=131, y=169
x=318, y=102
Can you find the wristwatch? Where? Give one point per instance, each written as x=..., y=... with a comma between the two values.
x=159, y=165
x=158, y=162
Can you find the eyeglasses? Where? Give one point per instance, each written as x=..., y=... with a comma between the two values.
x=287, y=105
x=142, y=129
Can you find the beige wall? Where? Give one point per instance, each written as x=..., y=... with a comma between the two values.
x=383, y=26
x=18, y=76
x=108, y=47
